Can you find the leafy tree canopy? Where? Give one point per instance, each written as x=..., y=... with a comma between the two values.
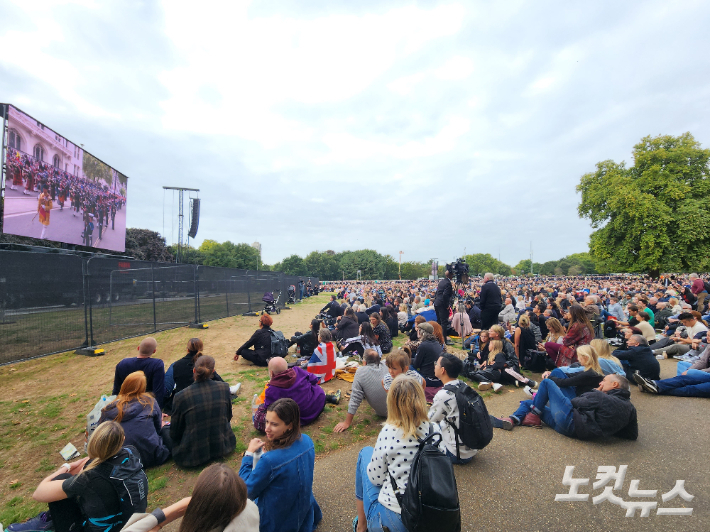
x=653, y=216
x=144, y=244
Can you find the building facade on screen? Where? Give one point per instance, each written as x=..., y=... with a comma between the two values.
x=55, y=190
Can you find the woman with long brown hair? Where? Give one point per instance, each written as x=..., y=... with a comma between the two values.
x=579, y=332
x=139, y=415
x=219, y=501
x=279, y=472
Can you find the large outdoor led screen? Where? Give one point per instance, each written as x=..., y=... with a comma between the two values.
x=54, y=190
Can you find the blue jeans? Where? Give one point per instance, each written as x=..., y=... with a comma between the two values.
x=682, y=366
x=378, y=516
x=558, y=415
x=455, y=460
x=695, y=384
x=569, y=391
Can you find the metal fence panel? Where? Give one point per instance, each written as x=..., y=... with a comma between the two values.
x=54, y=302
x=41, y=304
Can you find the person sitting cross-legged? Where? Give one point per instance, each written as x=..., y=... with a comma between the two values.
x=693, y=382
x=604, y=412
x=322, y=361
x=297, y=384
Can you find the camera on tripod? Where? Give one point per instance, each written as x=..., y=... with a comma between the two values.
x=459, y=269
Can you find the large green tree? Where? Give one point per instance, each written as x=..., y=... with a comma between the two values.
x=480, y=263
x=653, y=216
x=144, y=244
x=229, y=255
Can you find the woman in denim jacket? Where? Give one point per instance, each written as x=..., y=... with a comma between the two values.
x=279, y=472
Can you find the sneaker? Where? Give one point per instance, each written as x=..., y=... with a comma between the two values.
x=42, y=522
x=532, y=420
x=483, y=386
x=504, y=423
x=532, y=384
x=234, y=390
x=334, y=398
x=645, y=385
x=497, y=387
x=528, y=391
x=660, y=357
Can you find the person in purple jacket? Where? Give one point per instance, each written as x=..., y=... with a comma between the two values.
x=297, y=384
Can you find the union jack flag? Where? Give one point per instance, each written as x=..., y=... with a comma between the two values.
x=322, y=362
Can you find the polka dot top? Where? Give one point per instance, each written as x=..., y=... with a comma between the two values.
x=393, y=453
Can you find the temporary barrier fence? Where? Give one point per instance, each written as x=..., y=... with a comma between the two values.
x=51, y=303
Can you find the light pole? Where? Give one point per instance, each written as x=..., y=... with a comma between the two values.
x=400, y=265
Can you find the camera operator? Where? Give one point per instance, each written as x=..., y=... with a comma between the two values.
x=441, y=302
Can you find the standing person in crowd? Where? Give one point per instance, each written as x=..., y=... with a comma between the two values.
x=81, y=495
x=153, y=368
x=141, y=420
x=377, y=506
x=580, y=332
x=382, y=332
x=697, y=287
x=261, y=341
x=367, y=385
x=444, y=412
x=442, y=301
x=491, y=302
x=219, y=501
x=200, y=425
x=427, y=355
x=279, y=472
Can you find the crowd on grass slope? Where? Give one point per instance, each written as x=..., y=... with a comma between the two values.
x=588, y=337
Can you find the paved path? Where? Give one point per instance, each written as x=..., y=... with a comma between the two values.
x=64, y=225
x=511, y=485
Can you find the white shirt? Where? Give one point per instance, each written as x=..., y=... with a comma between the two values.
x=445, y=407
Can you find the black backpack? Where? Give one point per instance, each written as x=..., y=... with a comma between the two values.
x=431, y=499
x=279, y=344
x=706, y=284
x=475, y=429
x=130, y=482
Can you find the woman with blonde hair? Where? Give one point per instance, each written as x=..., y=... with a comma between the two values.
x=608, y=362
x=407, y=421
x=140, y=417
x=585, y=379
x=82, y=496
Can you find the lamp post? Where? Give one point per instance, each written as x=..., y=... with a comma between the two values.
x=400, y=265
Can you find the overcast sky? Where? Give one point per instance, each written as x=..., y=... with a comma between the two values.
x=424, y=127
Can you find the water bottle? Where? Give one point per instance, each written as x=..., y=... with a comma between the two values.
x=254, y=405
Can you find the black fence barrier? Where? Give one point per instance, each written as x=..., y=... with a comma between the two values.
x=51, y=303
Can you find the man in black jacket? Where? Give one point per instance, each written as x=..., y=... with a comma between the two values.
x=491, y=302
x=442, y=299
x=638, y=358
x=601, y=413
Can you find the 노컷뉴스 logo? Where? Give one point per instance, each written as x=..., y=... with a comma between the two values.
x=607, y=474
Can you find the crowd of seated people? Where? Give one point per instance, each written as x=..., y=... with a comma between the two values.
x=585, y=394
